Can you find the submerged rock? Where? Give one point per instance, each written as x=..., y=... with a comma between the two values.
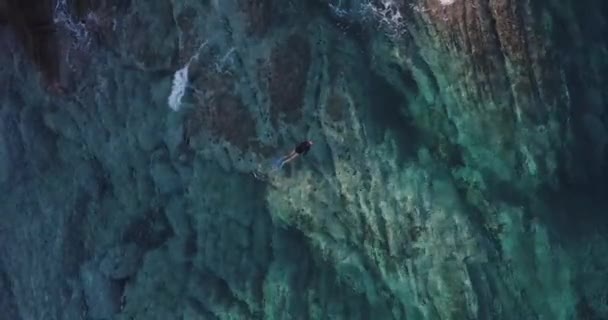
x=102, y=295
x=121, y=262
x=458, y=170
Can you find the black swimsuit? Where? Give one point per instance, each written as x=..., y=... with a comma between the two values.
x=303, y=147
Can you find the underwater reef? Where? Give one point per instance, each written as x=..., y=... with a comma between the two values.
x=459, y=167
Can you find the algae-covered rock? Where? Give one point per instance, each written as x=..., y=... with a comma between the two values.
x=458, y=168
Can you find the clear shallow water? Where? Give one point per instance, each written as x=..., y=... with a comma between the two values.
x=457, y=171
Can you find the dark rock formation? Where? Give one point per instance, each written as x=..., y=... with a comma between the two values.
x=259, y=15
x=32, y=23
x=290, y=63
x=458, y=170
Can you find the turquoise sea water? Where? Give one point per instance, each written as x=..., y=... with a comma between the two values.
x=458, y=168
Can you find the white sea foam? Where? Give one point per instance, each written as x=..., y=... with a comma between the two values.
x=77, y=29
x=180, y=82
x=388, y=15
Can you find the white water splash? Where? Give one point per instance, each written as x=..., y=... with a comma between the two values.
x=78, y=30
x=180, y=82
x=446, y=2
x=385, y=14
x=388, y=15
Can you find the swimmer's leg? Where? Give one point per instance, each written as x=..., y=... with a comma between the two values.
x=278, y=163
x=292, y=156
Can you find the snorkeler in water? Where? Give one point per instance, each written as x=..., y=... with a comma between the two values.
x=301, y=149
